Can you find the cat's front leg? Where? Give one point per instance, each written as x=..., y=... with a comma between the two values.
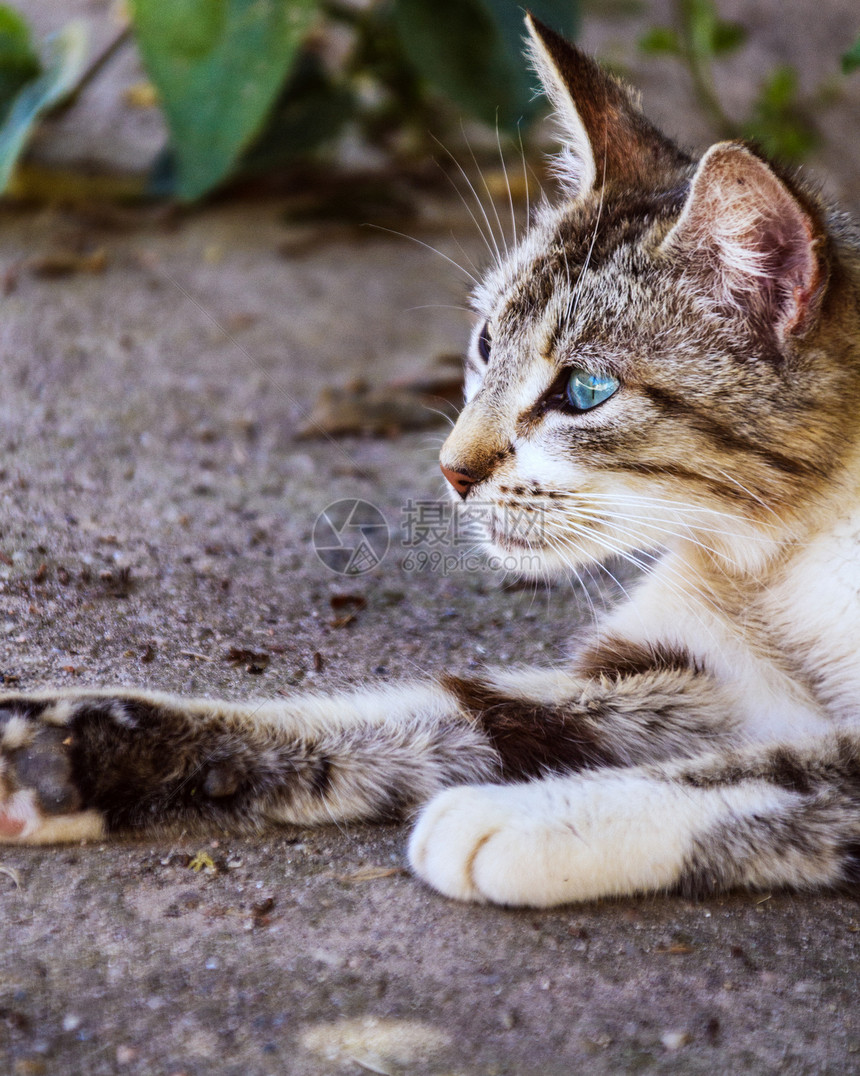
x=556, y=840
x=766, y=816
x=77, y=765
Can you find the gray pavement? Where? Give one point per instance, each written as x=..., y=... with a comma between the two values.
x=156, y=510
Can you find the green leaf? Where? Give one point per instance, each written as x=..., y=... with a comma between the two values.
x=311, y=110
x=218, y=66
x=661, y=40
x=779, y=92
x=66, y=53
x=472, y=50
x=460, y=49
x=727, y=37
x=777, y=121
x=851, y=59
x=18, y=60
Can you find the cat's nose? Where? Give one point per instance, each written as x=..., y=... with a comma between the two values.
x=461, y=481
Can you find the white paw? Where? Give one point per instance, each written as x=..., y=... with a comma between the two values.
x=494, y=843
x=556, y=840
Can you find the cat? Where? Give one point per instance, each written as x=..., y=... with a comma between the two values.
x=668, y=360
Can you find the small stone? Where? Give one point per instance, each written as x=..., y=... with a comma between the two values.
x=674, y=1040
x=71, y=1022
x=30, y=1066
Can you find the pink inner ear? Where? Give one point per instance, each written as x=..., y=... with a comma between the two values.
x=755, y=236
x=799, y=271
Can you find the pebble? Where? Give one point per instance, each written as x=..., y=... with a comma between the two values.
x=674, y=1040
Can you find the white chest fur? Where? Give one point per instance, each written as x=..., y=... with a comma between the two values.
x=772, y=659
x=815, y=608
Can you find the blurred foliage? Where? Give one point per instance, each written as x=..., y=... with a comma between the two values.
x=217, y=66
x=30, y=87
x=248, y=86
x=779, y=118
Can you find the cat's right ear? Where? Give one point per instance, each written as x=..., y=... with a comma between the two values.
x=606, y=138
x=753, y=240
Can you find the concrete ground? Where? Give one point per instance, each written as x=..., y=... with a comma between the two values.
x=156, y=522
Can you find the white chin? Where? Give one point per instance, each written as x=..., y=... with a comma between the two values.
x=534, y=563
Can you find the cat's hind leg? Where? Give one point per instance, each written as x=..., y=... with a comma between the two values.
x=770, y=816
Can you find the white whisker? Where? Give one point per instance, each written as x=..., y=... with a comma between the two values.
x=427, y=246
x=507, y=184
x=489, y=235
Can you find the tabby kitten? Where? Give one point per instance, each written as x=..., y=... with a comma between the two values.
x=670, y=359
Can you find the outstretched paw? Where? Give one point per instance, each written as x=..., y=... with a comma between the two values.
x=39, y=801
x=481, y=842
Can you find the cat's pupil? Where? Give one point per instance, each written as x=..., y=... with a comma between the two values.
x=484, y=342
x=586, y=390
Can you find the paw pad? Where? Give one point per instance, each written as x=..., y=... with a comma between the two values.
x=42, y=766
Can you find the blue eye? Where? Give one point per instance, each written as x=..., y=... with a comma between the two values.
x=585, y=390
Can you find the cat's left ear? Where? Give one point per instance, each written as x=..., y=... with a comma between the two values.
x=752, y=240
x=606, y=138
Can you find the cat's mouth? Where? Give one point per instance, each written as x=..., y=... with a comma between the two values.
x=517, y=529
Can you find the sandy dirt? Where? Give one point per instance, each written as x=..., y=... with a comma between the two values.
x=158, y=510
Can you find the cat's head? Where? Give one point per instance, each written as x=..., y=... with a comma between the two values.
x=660, y=356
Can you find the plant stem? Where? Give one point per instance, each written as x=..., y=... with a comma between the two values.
x=93, y=71
x=697, y=56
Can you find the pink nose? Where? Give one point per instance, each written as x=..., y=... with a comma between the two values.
x=461, y=482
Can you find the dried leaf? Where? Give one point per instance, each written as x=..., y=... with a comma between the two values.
x=377, y=412
x=202, y=861
x=370, y=874
x=344, y=601
x=60, y=263
x=255, y=661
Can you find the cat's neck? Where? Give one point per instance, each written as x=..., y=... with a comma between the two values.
x=784, y=628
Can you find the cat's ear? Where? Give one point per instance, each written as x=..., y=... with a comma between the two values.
x=606, y=137
x=753, y=239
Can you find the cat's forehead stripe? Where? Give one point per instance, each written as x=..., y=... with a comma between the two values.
x=585, y=238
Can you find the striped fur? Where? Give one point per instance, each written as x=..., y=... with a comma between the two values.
x=708, y=735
